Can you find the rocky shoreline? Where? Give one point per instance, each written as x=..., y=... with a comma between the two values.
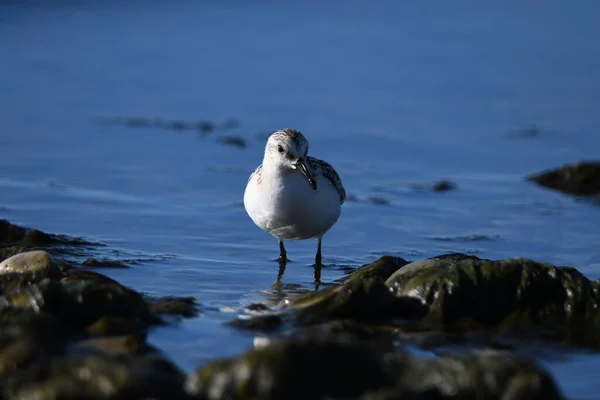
x=67, y=332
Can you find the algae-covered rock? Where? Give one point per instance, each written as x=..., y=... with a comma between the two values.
x=293, y=370
x=469, y=377
x=380, y=269
x=35, y=263
x=352, y=370
x=361, y=300
x=173, y=305
x=580, y=179
x=465, y=293
x=27, y=338
x=79, y=304
x=11, y=234
x=129, y=345
x=97, y=377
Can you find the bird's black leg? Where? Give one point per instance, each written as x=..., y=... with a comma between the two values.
x=318, y=264
x=282, y=253
x=282, y=260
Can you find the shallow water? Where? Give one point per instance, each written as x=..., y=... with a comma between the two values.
x=394, y=95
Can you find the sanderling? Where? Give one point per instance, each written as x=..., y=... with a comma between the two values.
x=293, y=196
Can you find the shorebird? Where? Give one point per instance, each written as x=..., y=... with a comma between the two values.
x=294, y=196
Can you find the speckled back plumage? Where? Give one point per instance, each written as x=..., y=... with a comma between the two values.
x=325, y=169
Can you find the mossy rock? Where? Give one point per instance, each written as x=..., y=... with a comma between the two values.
x=514, y=294
x=293, y=370
x=324, y=369
x=79, y=304
x=580, y=179
x=126, y=345
x=97, y=377
x=365, y=300
x=472, y=376
x=380, y=269
x=27, y=338
x=16, y=236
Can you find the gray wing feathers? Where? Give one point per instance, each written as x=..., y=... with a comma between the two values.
x=328, y=172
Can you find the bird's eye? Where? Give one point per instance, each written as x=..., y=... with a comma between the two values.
x=280, y=148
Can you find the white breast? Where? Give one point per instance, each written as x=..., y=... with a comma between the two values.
x=284, y=205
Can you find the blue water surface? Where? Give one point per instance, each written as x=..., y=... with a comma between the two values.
x=396, y=95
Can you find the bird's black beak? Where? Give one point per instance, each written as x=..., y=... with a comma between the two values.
x=301, y=165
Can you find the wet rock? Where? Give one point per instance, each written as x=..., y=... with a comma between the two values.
x=260, y=323
x=257, y=307
x=359, y=300
x=439, y=186
x=465, y=238
x=293, y=370
x=171, y=305
x=366, y=300
x=27, y=338
x=104, y=263
x=469, y=377
x=467, y=293
x=33, y=263
x=235, y=141
x=380, y=269
x=16, y=237
x=205, y=127
x=130, y=345
x=580, y=179
x=379, y=201
x=113, y=326
x=319, y=369
x=443, y=186
x=97, y=377
x=10, y=251
x=79, y=304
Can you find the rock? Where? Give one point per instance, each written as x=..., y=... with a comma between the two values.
x=236, y=141
x=35, y=263
x=360, y=300
x=26, y=338
x=172, y=305
x=104, y=263
x=293, y=370
x=380, y=269
x=17, y=236
x=580, y=179
x=97, y=377
x=129, y=346
x=466, y=293
x=79, y=304
x=469, y=377
x=320, y=369
x=113, y=326
x=10, y=251
x=443, y=186
x=260, y=323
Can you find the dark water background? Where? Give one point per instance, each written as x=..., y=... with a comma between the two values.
x=393, y=94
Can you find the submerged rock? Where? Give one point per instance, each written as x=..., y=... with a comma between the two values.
x=580, y=179
x=466, y=293
x=351, y=370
